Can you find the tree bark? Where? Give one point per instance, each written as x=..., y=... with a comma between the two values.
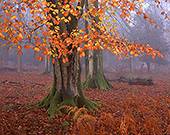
x=47, y=65
x=66, y=89
x=97, y=80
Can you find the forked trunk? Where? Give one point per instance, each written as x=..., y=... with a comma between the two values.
x=66, y=88
x=97, y=80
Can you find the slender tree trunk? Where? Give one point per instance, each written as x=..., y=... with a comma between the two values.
x=90, y=73
x=5, y=56
x=46, y=64
x=50, y=65
x=19, y=63
x=87, y=53
x=131, y=65
x=148, y=66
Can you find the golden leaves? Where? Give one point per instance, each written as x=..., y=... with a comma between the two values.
x=36, y=49
x=2, y=36
x=13, y=17
x=63, y=38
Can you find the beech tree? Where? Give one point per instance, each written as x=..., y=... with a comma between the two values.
x=57, y=21
x=95, y=77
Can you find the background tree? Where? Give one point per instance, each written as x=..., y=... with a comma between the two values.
x=145, y=33
x=95, y=75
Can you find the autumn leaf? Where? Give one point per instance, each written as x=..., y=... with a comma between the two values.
x=1, y=35
x=36, y=49
x=13, y=17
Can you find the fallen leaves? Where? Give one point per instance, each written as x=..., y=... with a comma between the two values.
x=125, y=109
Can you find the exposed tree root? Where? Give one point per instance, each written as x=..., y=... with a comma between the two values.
x=55, y=104
x=97, y=82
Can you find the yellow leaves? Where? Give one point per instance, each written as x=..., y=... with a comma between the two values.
x=68, y=41
x=36, y=49
x=79, y=7
x=20, y=37
x=19, y=50
x=134, y=53
x=52, y=15
x=19, y=47
x=66, y=7
x=44, y=3
x=13, y=17
x=141, y=1
x=2, y=36
x=115, y=3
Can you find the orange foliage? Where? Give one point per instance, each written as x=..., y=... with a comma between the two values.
x=51, y=20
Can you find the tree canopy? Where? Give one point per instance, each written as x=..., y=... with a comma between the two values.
x=55, y=24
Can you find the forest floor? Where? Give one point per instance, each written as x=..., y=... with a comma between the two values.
x=142, y=110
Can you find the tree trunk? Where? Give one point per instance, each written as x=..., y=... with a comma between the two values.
x=46, y=64
x=131, y=64
x=66, y=88
x=87, y=52
x=90, y=73
x=98, y=79
x=19, y=63
x=148, y=66
x=50, y=65
x=5, y=56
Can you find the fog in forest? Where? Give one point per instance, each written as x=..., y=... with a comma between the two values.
x=137, y=30
x=84, y=67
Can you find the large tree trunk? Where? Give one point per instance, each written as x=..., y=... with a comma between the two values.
x=66, y=88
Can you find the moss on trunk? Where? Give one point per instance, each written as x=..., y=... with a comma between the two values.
x=66, y=89
x=97, y=82
x=54, y=103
